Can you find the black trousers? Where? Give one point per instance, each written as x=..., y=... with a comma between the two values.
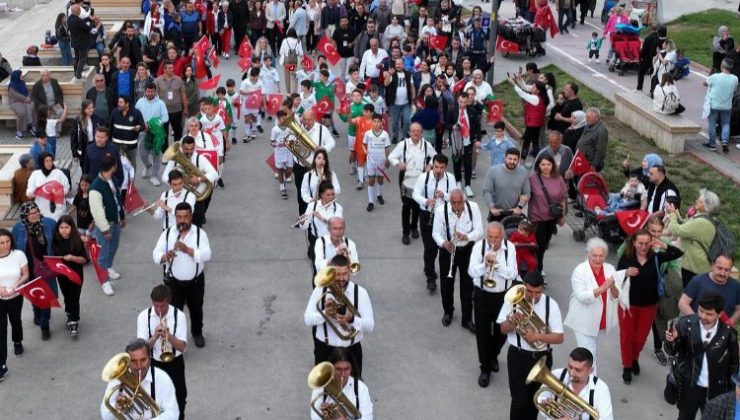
x=190, y=292
x=176, y=370
x=693, y=398
x=447, y=284
x=543, y=235
x=311, y=38
x=322, y=352
x=409, y=214
x=199, y=212
x=488, y=335
x=642, y=71
x=80, y=61
x=10, y=310
x=531, y=137
x=298, y=173
x=274, y=37
x=176, y=123
x=312, y=254
x=686, y=276
x=430, y=247
x=216, y=42
x=439, y=140
x=71, y=292
x=519, y=363
x=465, y=161
x=188, y=39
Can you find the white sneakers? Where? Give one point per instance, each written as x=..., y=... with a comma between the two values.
x=113, y=274
x=155, y=181
x=468, y=191
x=108, y=289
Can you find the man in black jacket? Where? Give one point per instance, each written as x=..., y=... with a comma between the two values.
x=344, y=40
x=463, y=121
x=660, y=191
x=398, y=105
x=649, y=47
x=239, y=12
x=129, y=46
x=706, y=351
x=82, y=35
x=102, y=97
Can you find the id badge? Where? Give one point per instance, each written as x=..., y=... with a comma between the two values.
x=344, y=43
x=170, y=96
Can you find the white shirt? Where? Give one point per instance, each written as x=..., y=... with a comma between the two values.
x=10, y=269
x=270, y=79
x=363, y=323
x=319, y=228
x=554, y=322
x=288, y=45
x=164, y=392
x=325, y=251
x=481, y=92
x=417, y=156
x=38, y=179
x=184, y=267
x=310, y=186
x=402, y=95
x=148, y=322
x=321, y=137
x=463, y=224
x=172, y=199
x=370, y=61
x=507, y=271
x=213, y=130
x=427, y=184
x=602, y=396
x=203, y=141
x=706, y=336
x=362, y=398
x=201, y=163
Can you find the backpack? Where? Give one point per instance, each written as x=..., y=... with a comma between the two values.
x=292, y=57
x=670, y=101
x=723, y=242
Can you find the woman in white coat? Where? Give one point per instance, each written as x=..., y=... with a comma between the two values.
x=594, y=298
x=45, y=174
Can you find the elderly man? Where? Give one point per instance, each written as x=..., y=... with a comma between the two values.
x=82, y=33
x=151, y=106
x=594, y=139
x=561, y=153
x=506, y=188
x=102, y=98
x=47, y=92
x=335, y=243
x=371, y=64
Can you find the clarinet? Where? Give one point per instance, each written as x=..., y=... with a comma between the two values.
x=451, y=275
x=179, y=228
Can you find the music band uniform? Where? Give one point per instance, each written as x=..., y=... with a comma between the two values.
x=159, y=385
x=209, y=172
x=416, y=157
x=171, y=199
x=597, y=394
x=356, y=392
x=325, y=251
x=321, y=137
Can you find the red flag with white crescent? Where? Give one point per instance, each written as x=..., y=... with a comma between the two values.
x=133, y=200
x=632, y=220
x=344, y=106
x=254, y=99
x=211, y=155
x=580, y=165
x=52, y=191
x=245, y=48
x=39, y=294
x=340, y=88
x=202, y=46
x=504, y=45
x=213, y=58
x=457, y=87
x=495, y=110
x=57, y=265
x=438, y=42
x=209, y=84
x=244, y=63
x=273, y=102
x=307, y=63
x=323, y=107
x=93, y=251
x=200, y=67
x=329, y=50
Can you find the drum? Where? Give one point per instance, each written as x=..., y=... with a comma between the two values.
x=409, y=182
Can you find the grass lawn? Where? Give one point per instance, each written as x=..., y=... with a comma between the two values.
x=688, y=173
x=693, y=33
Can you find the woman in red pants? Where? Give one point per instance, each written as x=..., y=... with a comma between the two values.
x=642, y=259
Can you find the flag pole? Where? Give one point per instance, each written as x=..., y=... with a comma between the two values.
x=492, y=34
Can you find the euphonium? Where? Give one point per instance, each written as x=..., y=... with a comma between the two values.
x=301, y=146
x=137, y=401
x=489, y=282
x=168, y=354
x=531, y=321
x=322, y=376
x=565, y=402
x=325, y=279
x=174, y=152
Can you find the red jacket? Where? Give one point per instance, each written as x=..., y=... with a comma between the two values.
x=525, y=258
x=534, y=115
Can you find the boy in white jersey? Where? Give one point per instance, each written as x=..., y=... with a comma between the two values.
x=283, y=157
x=376, y=144
x=308, y=98
x=213, y=125
x=376, y=100
x=354, y=78
x=251, y=111
x=232, y=95
x=270, y=84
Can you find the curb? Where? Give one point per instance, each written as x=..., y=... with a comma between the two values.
x=728, y=174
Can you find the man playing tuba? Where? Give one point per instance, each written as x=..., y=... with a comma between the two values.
x=356, y=397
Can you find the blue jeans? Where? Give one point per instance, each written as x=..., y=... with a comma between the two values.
x=616, y=203
x=400, y=114
x=66, y=49
x=108, y=248
x=45, y=314
x=724, y=116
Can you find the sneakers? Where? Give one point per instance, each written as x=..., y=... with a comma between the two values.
x=19, y=135
x=226, y=56
x=284, y=194
x=370, y=206
x=381, y=201
x=259, y=128
x=660, y=357
x=246, y=139
x=360, y=185
x=113, y=274
x=18, y=349
x=3, y=372
x=468, y=191
x=710, y=146
x=590, y=60
x=73, y=331
x=335, y=133
x=597, y=61
x=220, y=184
x=725, y=148
x=45, y=334
x=107, y=288
x=155, y=182
x=289, y=179
x=737, y=146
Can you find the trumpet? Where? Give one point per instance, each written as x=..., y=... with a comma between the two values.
x=168, y=354
x=325, y=279
x=529, y=321
x=322, y=376
x=354, y=266
x=566, y=403
x=146, y=207
x=489, y=282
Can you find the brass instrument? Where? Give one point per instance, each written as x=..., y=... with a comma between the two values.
x=168, y=354
x=531, y=321
x=354, y=266
x=489, y=282
x=322, y=376
x=174, y=152
x=325, y=279
x=300, y=145
x=566, y=403
x=136, y=401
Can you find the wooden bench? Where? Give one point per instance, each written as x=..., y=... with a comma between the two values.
x=669, y=132
x=111, y=10
x=53, y=55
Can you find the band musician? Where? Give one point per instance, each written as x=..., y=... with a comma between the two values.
x=335, y=243
x=526, y=349
x=349, y=382
x=321, y=137
x=166, y=329
x=341, y=317
x=176, y=194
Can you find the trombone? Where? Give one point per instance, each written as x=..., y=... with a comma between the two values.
x=168, y=354
x=565, y=402
x=325, y=279
x=322, y=377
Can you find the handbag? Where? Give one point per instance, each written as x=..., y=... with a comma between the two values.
x=555, y=209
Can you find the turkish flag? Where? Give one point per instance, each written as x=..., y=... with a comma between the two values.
x=438, y=42
x=344, y=106
x=504, y=45
x=368, y=82
x=209, y=84
x=39, y=294
x=632, y=220
x=340, y=88
x=93, y=251
x=200, y=67
x=329, y=50
x=464, y=125
x=52, y=191
x=544, y=19
x=270, y=161
x=495, y=110
x=57, y=265
x=290, y=67
x=279, y=26
x=307, y=63
x=254, y=100
x=245, y=49
x=322, y=107
x=244, y=63
x=202, y=46
x=211, y=155
x=273, y=102
x=459, y=86
x=213, y=58
x=580, y=165
x=133, y=200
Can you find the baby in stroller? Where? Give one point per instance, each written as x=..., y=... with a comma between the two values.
x=526, y=245
x=627, y=198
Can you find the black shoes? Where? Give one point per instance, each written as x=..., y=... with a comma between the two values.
x=45, y=334
x=725, y=148
x=415, y=234
x=627, y=376
x=431, y=285
x=446, y=320
x=18, y=348
x=36, y=319
x=200, y=342
x=335, y=133
x=636, y=368
x=405, y=239
x=3, y=372
x=381, y=201
x=370, y=206
x=484, y=379
x=494, y=366
x=469, y=325
x=259, y=128
x=220, y=184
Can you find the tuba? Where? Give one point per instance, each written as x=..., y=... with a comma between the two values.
x=531, y=322
x=299, y=144
x=322, y=376
x=174, y=152
x=136, y=401
x=168, y=354
x=566, y=403
x=325, y=279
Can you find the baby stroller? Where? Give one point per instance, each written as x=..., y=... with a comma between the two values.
x=511, y=224
x=593, y=195
x=626, y=53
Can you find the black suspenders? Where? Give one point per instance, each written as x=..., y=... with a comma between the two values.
x=149, y=321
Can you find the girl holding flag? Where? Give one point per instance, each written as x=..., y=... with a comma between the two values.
x=68, y=247
x=48, y=186
x=13, y=273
